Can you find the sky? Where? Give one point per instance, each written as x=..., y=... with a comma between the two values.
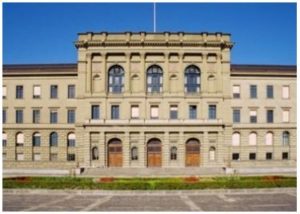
x=263, y=33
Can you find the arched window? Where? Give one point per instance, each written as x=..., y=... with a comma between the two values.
x=95, y=153
x=4, y=139
x=192, y=79
x=53, y=139
x=252, y=138
x=71, y=140
x=236, y=139
x=212, y=153
x=154, y=79
x=269, y=138
x=173, y=153
x=285, y=138
x=20, y=139
x=116, y=79
x=134, y=153
x=36, y=139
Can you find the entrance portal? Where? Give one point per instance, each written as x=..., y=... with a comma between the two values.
x=192, y=153
x=115, y=157
x=154, y=153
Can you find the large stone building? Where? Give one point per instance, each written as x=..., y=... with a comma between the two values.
x=142, y=100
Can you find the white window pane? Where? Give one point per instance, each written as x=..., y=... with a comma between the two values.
x=160, y=79
x=173, y=108
x=37, y=134
x=4, y=136
x=37, y=90
x=72, y=136
x=269, y=139
x=149, y=89
x=285, y=92
x=285, y=116
x=252, y=139
x=154, y=111
x=212, y=155
x=198, y=80
x=20, y=138
x=4, y=91
x=135, y=111
x=149, y=80
x=236, y=139
x=252, y=113
x=110, y=79
x=236, y=89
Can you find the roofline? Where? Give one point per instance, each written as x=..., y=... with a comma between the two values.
x=149, y=32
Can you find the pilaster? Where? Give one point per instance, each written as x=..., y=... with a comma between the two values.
x=88, y=72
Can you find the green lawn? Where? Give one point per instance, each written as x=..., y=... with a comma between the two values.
x=150, y=183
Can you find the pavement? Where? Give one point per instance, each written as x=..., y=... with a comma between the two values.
x=273, y=199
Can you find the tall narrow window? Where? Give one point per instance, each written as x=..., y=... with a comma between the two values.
x=19, y=116
x=269, y=156
x=154, y=112
x=154, y=79
x=4, y=139
x=135, y=112
x=212, y=153
x=285, y=92
x=252, y=138
x=115, y=112
x=71, y=140
x=236, y=139
x=253, y=91
x=173, y=153
x=53, y=91
x=134, y=153
x=193, y=112
x=36, y=91
x=286, y=116
x=192, y=79
x=3, y=115
x=36, y=139
x=173, y=112
x=116, y=79
x=236, y=91
x=270, y=116
x=53, y=116
x=270, y=93
x=95, y=112
x=212, y=112
x=36, y=116
x=53, y=139
x=20, y=139
x=269, y=139
x=71, y=91
x=4, y=92
x=95, y=153
x=285, y=138
x=253, y=116
x=236, y=116
x=71, y=115
x=19, y=92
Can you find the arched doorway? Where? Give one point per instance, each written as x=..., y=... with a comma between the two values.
x=192, y=153
x=115, y=157
x=154, y=153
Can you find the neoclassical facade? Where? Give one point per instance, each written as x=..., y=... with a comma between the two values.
x=143, y=100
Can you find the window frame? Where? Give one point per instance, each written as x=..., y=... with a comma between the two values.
x=115, y=112
x=71, y=91
x=234, y=115
x=71, y=117
x=253, y=91
x=19, y=92
x=212, y=112
x=154, y=79
x=19, y=116
x=95, y=112
x=269, y=91
x=53, y=91
x=192, y=79
x=116, y=75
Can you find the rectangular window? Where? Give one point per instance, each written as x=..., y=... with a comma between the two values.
x=253, y=91
x=71, y=116
x=36, y=156
x=53, y=116
x=71, y=157
x=285, y=116
x=193, y=112
x=269, y=156
x=235, y=156
x=285, y=155
x=53, y=157
x=236, y=91
x=270, y=116
x=115, y=114
x=19, y=92
x=4, y=139
x=36, y=116
x=154, y=112
x=236, y=116
x=20, y=156
x=71, y=91
x=53, y=91
x=270, y=91
x=252, y=156
x=253, y=117
x=4, y=92
x=212, y=112
x=36, y=91
x=173, y=112
x=95, y=112
x=135, y=112
x=19, y=116
x=3, y=115
x=285, y=92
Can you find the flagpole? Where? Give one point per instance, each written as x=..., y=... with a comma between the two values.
x=154, y=17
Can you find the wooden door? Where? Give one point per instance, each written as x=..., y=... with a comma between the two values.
x=154, y=153
x=192, y=155
x=115, y=157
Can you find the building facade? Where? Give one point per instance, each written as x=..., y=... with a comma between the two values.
x=143, y=100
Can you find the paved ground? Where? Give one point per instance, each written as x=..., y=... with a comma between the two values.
x=283, y=199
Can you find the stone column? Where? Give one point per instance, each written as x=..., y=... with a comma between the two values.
x=103, y=76
x=181, y=150
x=180, y=89
x=88, y=72
x=143, y=73
x=127, y=73
x=142, y=151
x=203, y=74
x=126, y=150
x=204, y=147
x=102, y=150
x=166, y=150
x=166, y=74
